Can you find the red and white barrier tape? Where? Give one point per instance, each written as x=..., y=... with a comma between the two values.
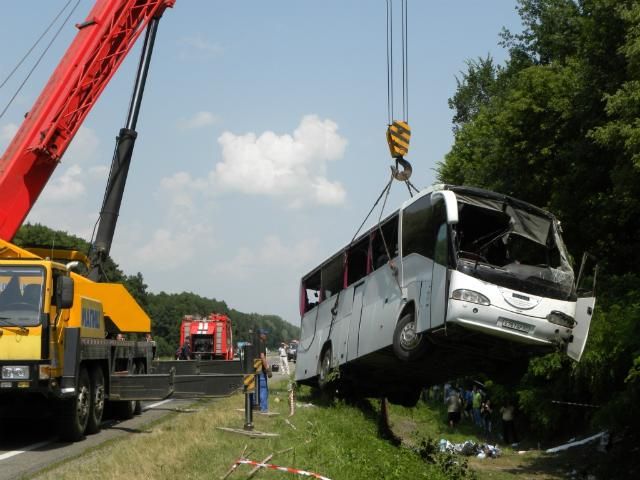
x=282, y=469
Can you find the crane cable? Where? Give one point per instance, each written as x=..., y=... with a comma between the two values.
x=398, y=131
x=46, y=49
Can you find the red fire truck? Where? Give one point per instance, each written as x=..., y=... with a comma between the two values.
x=206, y=338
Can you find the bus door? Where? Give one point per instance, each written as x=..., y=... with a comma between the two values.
x=354, y=322
x=439, y=278
x=445, y=212
x=585, y=290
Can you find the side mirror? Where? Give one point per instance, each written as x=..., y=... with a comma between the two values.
x=64, y=292
x=451, y=204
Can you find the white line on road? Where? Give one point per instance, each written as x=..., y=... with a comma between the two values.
x=4, y=456
x=154, y=405
x=28, y=448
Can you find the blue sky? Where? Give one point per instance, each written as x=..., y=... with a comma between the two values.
x=261, y=141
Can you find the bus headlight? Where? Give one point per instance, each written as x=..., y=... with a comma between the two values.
x=470, y=296
x=562, y=319
x=15, y=373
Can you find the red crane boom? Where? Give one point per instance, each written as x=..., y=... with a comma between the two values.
x=103, y=41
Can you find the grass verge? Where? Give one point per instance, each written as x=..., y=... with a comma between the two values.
x=335, y=439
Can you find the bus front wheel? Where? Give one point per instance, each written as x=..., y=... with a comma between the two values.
x=408, y=344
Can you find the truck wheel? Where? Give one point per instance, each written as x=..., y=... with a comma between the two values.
x=408, y=345
x=126, y=409
x=97, y=400
x=74, y=412
x=324, y=369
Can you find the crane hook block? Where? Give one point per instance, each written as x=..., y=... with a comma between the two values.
x=404, y=174
x=398, y=136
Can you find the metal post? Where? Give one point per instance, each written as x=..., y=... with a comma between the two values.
x=248, y=410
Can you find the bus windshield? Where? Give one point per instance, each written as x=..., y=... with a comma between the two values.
x=504, y=242
x=21, y=296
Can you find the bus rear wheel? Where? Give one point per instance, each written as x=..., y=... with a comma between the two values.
x=408, y=344
x=324, y=372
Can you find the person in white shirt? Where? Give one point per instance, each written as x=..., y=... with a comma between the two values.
x=284, y=363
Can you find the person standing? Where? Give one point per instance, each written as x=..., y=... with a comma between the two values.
x=485, y=413
x=476, y=403
x=508, y=425
x=454, y=406
x=264, y=373
x=284, y=363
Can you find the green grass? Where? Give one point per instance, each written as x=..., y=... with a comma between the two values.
x=336, y=440
x=332, y=438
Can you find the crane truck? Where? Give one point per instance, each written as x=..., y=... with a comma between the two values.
x=71, y=344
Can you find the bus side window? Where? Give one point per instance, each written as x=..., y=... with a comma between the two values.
x=390, y=234
x=310, y=292
x=441, y=250
x=357, y=261
x=332, y=278
x=418, y=229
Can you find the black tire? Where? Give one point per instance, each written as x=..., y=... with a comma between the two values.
x=97, y=400
x=125, y=409
x=407, y=344
x=74, y=413
x=324, y=369
x=137, y=407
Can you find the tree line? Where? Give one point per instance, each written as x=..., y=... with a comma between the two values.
x=558, y=125
x=165, y=309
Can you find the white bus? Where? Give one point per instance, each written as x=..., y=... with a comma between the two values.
x=476, y=282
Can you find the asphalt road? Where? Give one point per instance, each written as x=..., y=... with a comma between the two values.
x=27, y=447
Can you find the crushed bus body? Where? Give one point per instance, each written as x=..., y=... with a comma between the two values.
x=457, y=281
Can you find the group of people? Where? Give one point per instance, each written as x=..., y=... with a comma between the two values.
x=476, y=406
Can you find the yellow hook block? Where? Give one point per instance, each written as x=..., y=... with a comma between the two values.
x=398, y=136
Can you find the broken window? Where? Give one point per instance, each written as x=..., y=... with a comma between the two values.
x=522, y=247
x=310, y=292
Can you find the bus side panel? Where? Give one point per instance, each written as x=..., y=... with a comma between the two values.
x=416, y=272
x=313, y=338
x=382, y=300
x=307, y=345
x=354, y=321
x=340, y=330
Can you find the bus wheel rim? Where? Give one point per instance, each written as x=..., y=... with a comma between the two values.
x=409, y=339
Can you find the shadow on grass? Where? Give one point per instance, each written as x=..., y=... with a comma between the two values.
x=329, y=399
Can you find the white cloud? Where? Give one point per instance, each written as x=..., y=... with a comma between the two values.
x=66, y=187
x=170, y=249
x=203, y=47
x=6, y=134
x=290, y=166
x=271, y=255
x=180, y=189
x=83, y=147
x=198, y=120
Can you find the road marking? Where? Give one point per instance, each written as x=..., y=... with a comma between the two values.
x=4, y=456
x=28, y=448
x=154, y=405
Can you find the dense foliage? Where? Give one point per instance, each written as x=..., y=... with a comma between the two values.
x=559, y=126
x=165, y=309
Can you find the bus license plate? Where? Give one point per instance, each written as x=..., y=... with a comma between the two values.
x=515, y=325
